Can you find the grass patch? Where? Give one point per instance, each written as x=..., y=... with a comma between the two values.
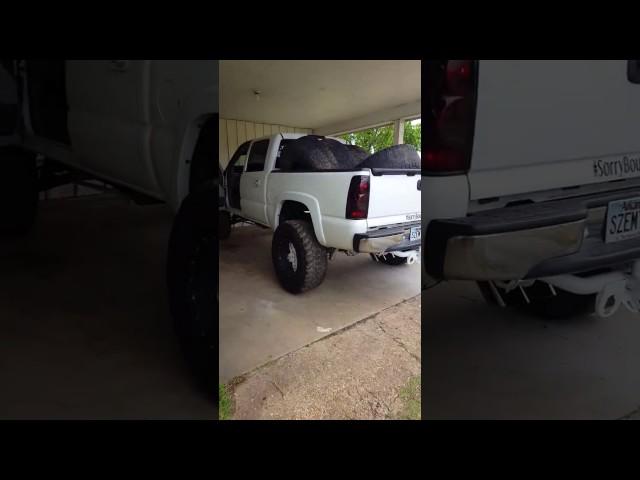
x=225, y=405
x=411, y=397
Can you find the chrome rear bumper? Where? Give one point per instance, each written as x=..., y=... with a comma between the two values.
x=509, y=255
x=386, y=240
x=529, y=241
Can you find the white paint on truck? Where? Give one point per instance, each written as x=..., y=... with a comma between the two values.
x=548, y=124
x=393, y=197
x=134, y=122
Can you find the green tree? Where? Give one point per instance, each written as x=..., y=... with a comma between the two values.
x=373, y=139
x=413, y=135
x=378, y=138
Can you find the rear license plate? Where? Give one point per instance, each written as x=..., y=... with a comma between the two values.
x=623, y=220
x=416, y=234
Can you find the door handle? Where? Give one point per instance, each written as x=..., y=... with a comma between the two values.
x=119, y=65
x=633, y=71
x=258, y=182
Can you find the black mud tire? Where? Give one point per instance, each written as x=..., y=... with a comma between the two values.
x=359, y=154
x=310, y=267
x=389, y=260
x=224, y=225
x=313, y=152
x=18, y=191
x=192, y=281
x=398, y=156
x=543, y=303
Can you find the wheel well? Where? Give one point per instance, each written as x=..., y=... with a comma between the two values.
x=294, y=211
x=203, y=172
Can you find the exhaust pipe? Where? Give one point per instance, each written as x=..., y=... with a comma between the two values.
x=411, y=256
x=612, y=290
x=584, y=285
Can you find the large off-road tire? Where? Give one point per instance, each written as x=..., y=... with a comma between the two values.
x=389, y=259
x=18, y=191
x=313, y=152
x=300, y=262
x=359, y=154
x=398, y=156
x=192, y=280
x=542, y=302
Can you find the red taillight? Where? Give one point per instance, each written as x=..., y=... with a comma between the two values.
x=358, y=198
x=451, y=116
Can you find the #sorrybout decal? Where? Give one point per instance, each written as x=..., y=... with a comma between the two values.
x=626, y=166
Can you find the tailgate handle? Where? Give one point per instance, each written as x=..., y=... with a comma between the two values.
x=633, y=71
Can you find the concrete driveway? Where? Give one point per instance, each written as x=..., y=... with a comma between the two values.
x=260, y=322
x=85, y=330
x=368, y=372
x=481, y=362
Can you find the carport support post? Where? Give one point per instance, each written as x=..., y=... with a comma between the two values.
x=398, y=132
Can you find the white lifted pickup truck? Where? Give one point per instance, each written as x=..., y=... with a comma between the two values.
x=531, y=182
x=322, y=196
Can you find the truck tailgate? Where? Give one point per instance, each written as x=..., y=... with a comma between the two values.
x=394, y=199
x=552, y=124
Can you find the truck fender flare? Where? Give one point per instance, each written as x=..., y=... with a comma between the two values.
x=311, y=203
x=187, y=144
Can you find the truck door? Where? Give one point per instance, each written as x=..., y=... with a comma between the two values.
x=233, y=175
x=110, y=119
x=253, y=183
x=8, y=102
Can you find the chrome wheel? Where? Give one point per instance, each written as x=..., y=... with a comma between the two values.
x=292, y=257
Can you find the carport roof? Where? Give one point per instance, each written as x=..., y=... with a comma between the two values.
x=319, y=94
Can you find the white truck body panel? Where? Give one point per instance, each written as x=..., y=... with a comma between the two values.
x=548, y=124
x=395, y=199
x=134, y=122
x=326, y=198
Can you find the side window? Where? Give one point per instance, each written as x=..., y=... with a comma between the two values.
x=239, y=160
x=238, y=167
x=258, y=156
